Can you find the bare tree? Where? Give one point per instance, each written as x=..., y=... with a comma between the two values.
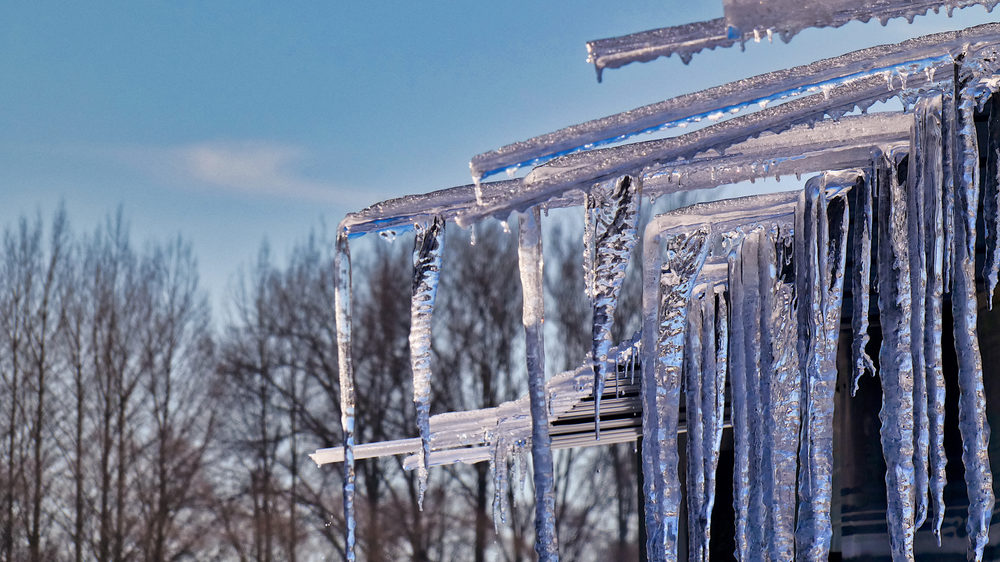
x=29, y=292
x=248, y=360
x=176, y=361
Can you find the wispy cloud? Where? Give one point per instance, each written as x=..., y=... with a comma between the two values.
x=247, y=167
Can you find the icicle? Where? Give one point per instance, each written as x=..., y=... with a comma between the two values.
x=915, y=217
x=648, y=394
x=589, y=212
x=694, y=382
x=666, y=291
x=780, y=390
x=895, y=360
x=342, y=304
x=500, y=468
x=737, y=378
x=758, y=409
x=928, y=157
x=428, y=246
x=948, y=189
x=614, y=237
x=861, y=279
x=819, y=287
x=991, y=198
x=834, y=224
x=533, y=290
x=972, y=401
x=809, y=537
x=714, y=403
x=705, y=376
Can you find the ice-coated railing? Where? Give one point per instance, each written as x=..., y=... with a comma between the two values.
x=750, y=20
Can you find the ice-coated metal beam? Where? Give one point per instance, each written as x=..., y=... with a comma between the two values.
x=902, y=59
x=826, y=145
x=688, y=39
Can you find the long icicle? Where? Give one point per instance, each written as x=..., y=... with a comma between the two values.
x=928, y=157
x=705, y=375
x=695, y=386
x=670, y=284
x=807, y=291
x=648, y=391
x=427, y=249
x=758, y=409
x=614, y=238
x=834, y=224
x=342, y=305
x=529, y=254
x=737, y=381
x=972, y=400
x=787, y=392
x=820, y=260
x=589, y=216
x=714, y=401
x=780, y=369
x=896, y=361
x=948, y=165
x=759, y=329
x=915, y=209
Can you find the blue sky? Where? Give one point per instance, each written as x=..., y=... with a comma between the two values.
x=231, y=122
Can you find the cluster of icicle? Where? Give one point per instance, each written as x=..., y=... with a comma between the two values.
x=783, y=327
x=769, y=324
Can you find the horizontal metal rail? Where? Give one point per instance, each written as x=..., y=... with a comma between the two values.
x=688, y=39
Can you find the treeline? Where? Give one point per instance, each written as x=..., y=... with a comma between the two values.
x=135, y=426
x=107, y=423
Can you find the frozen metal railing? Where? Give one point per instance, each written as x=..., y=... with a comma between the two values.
x=744, y=21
